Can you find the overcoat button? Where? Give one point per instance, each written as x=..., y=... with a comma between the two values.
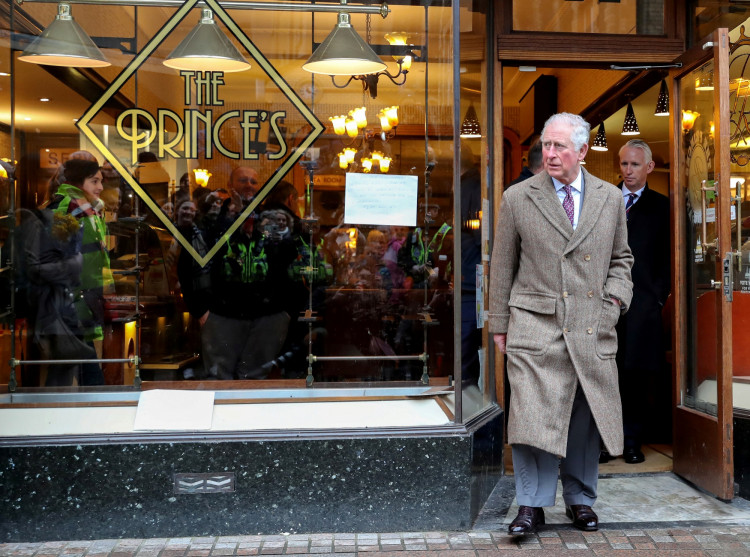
x=591, y=293
x=587, y=257
x=565, y=330
x=565, y=294
x=590, y=330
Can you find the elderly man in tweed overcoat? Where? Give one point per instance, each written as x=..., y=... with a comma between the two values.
x=560, y=278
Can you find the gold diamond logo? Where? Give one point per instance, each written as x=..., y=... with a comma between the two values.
x=284, y=165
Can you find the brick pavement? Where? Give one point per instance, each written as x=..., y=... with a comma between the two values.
x=714, y=541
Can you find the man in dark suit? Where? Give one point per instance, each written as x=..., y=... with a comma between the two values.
x=641, y=342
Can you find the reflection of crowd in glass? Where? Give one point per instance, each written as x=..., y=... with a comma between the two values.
x=267, y=267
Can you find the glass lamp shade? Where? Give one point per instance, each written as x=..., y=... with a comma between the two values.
x=207, y=48
x=662, y=103
x=339, y=124
x=470, y=128
x=352, y=130
x=64, y=43
x=600, y=141
x=630, y=125
x=344, y=52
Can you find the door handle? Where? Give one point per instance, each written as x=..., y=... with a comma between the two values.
x=704, y=217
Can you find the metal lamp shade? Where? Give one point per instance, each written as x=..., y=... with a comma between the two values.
x=470, y=128
x=600, y=141
x=630, y=125
x=344, y=52
x=662, y=103
x=207, y=48
x=64, y=43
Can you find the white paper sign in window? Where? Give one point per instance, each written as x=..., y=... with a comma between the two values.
x=381, y=199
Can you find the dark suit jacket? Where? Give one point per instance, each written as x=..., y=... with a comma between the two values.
x=641, y=340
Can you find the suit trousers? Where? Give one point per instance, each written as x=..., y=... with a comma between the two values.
x=536, y=470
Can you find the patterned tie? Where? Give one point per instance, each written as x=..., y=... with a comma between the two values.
x=568, y=203
x=631, y=199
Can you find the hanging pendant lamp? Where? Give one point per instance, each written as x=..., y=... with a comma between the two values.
x=344, y=52
x=662, y=103
x=470, y=128
x=630, y=125
x=600, y=141
x=207, y=48
x=64, y=43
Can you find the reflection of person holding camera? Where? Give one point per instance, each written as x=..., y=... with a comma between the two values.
x=244, y=324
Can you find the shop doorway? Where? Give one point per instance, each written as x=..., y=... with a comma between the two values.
x=534, y=91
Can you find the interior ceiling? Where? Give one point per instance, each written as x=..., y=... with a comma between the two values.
x=654, y=129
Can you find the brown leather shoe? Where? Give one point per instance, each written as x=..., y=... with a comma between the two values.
x=583, y=517
x=526, y=521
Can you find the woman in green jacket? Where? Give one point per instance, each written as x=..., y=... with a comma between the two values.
x=79, y=196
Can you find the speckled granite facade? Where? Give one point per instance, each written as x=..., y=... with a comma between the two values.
x=298, y=486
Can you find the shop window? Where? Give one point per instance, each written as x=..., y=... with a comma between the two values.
x=229, y=239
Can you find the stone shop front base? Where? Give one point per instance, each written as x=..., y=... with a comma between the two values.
x=379, y=483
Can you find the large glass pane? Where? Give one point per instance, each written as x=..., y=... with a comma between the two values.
x=227, y=237
x=626, y=17
x=739, y=78
x=477, y=376
x=697, y=152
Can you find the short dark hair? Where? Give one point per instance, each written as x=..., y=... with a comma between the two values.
x=77, y=170
x=535, y=156
x=280, y=193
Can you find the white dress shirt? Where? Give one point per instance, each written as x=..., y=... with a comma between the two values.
x=576, y=188
x=626, y=194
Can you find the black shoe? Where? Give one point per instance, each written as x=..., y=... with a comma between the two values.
x=583, y=517
x=604, y=457
x=526, y=521
x=631, y=455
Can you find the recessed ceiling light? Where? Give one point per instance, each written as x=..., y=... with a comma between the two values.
x=44, y=99
x=4, y=74
x=526, y=68
x=27, y=118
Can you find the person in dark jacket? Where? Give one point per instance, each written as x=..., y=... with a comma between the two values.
x=535, y=166
x=641, y=338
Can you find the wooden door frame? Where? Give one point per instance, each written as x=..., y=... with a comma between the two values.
x=702, y=444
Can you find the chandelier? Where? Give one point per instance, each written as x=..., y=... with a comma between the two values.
x=354, y=126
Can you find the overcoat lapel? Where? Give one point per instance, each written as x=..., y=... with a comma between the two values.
x=544, y=196
x=594, y=197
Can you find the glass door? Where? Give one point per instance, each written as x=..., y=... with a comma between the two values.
x=703, y=216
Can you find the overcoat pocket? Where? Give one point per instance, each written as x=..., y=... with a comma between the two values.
x=606, y=336
x=532, y=322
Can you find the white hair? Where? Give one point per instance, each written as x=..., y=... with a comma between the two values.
x=580, y=127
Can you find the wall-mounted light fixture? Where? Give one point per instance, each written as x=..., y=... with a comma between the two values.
x=64, y=43
x=688, y=120
x=402, y=55
x=630, y=125
x=662, y=103
x=600, y=141
x=207, y=48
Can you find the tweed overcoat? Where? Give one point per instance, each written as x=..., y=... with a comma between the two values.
x=550, y=291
